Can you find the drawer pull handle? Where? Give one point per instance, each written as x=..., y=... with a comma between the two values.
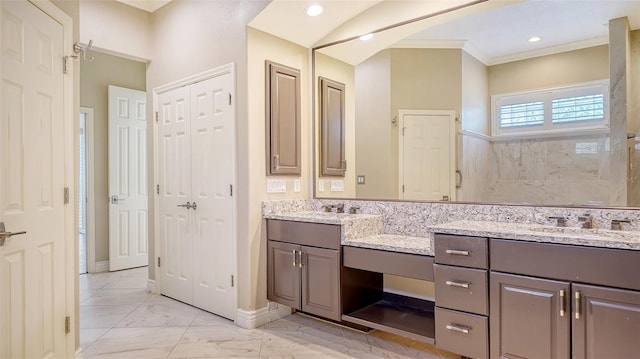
x=457, y=252
x=458, y=328
x=455, y=283
x=563, y=308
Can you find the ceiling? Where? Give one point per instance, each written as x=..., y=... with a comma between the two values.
x=494, y=31
x=146, y=5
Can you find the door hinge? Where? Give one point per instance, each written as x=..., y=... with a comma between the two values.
x=402, y=188
x=66, y=195
x=157, y=189
x=404, y=128
x=65, y=65
x=230, y=190
x=67, y=325
x=158, y=262
x=229, y=99
x=156, y=116
x=232, y=281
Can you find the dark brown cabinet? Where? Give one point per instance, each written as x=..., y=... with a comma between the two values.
x=301, y=273
x=529, y=317
x=332, y=121
x=283, y=119
x=606, y=322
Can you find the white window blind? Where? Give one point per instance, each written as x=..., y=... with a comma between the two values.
x=553, y=110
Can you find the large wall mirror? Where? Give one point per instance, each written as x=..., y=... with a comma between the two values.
x=466, y=106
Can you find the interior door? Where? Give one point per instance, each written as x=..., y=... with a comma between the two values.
x=33, y=283
x=212, y=174
x=127, y=178
x=174, y=181
x=426, y=152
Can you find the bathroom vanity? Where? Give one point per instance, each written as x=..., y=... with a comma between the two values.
x=501, y=289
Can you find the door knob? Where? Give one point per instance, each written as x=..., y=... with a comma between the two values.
x=4, y=234
x=115, y=199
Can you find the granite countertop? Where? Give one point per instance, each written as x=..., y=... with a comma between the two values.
x=597, y=237
x=393, y=243
x=320, y=217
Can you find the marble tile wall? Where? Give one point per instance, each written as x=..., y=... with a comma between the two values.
x=478, y=166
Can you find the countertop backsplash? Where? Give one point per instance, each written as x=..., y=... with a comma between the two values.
x=414, y=218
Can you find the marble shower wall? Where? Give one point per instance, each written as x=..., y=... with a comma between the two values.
x=478, y=166
x=553, y=171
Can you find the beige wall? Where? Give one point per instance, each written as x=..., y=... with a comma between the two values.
x=252, y=260
x=569, y=67
x=95, y=76
x=373, y=126
x=339, y=71
x=475, y=95
x=194, y=36
x=115, y=27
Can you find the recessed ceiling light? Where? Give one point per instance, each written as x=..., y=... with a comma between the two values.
x=314, y=10
x=366, y=37
x=535, y=39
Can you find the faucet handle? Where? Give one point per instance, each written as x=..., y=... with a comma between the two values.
x=561, y=221
x=616, y=224
x=587, y=220
x=353, y=210
x=327, y=208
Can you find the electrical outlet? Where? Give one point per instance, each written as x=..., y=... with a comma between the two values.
x=296, y=185
x=320, y=185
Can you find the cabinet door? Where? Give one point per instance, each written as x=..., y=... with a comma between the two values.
x=606, y=323
x=529, y=317
x=332, y=119
x=321, y=282
x=283, y=282
x=283, y=120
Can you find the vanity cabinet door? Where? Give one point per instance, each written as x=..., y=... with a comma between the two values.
x=606, y=322
x=332, y=121
x=283, y=283
x=529, y=317
x=321, y=282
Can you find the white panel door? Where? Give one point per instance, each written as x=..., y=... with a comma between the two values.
x=174, y=180
x=32, y=162
x=212, y=143
x=127, y=178
x=426, y=169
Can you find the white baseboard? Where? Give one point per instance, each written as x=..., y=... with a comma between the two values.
x=251, y=319
x=151, y=286
x=102, y=266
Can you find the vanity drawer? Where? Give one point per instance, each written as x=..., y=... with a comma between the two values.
x=461, y=288
x=461, y=251
x=308, y=234
x=402, y=264
x=462, y=333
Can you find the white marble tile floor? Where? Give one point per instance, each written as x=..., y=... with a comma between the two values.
x=119, y=319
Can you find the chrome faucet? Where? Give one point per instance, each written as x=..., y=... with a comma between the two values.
x=616, y=224
x=339, y=208
x=561, y=220
x=587, y=221
x=327, y=208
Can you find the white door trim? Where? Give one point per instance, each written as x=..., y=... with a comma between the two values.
x=91, y=201
x=71, y=168
x=218, y=71
x=452, y=146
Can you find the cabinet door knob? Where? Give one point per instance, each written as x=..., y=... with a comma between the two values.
x=458, y=328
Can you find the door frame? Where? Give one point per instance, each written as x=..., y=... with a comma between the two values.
x=155, y=286
x=91, y=201
x=452, y=147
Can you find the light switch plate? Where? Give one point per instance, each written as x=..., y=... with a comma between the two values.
x=337, y=185
x=320, y=185
x=360, y=179
x=296, y=185
x=276, y=186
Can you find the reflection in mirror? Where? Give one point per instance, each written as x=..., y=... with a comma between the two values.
x=564, y=154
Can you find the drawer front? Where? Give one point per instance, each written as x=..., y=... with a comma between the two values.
x=402, y=264
x=461, y=251
x=308, y=234
x=461, y=288
x=462, y=333
x=590, y=265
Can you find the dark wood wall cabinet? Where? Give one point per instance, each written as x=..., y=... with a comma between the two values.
x=282, y=119
x=332, y=122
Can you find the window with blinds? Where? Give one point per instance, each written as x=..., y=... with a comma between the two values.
x=569, y=108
